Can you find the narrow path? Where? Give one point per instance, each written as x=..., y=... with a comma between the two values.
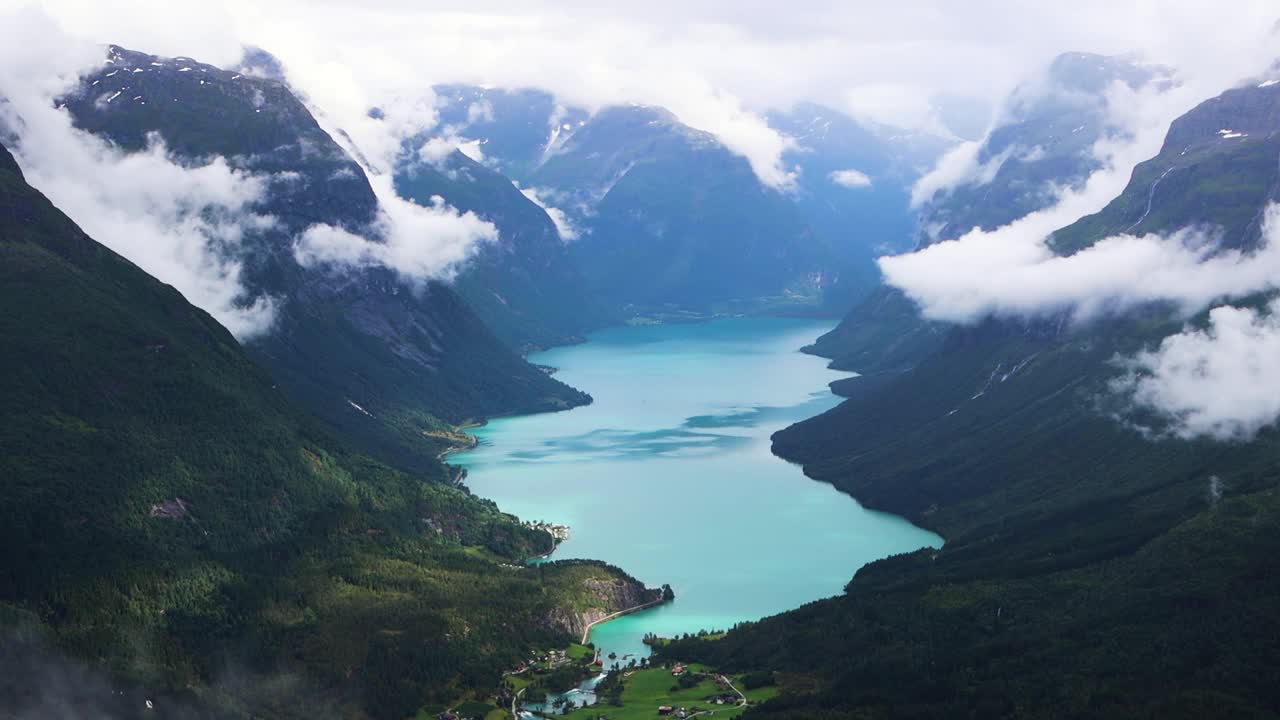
x=729, y=682
x=644, y=606
x=515, y=702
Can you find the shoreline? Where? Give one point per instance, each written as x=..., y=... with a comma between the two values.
x=586, y=631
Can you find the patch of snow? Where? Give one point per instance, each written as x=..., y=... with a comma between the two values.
x=187, y=69
x=1229, y=134
x=1268, y=83
x=357, y=407
x=113, y=97
x=138, y=70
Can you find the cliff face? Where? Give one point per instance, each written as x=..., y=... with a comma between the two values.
x=600, y=596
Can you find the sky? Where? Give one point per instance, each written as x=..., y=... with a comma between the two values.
x=717, y=64
x=933, y=66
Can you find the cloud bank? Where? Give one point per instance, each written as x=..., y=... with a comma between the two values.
x=1221, y=381
x=568, y=231
x=180, y=223
x=419, y=243
x=1011, y=270
x=717, y=65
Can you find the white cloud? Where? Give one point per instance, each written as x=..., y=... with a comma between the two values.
x=568, y=231
x=181, y=223
x=850, y=178
x=716, y=65
x=417, y=242
x=958, y=166
x=1113, y=275
x=1221, y=381
x=436, y=150
x=1011, y=270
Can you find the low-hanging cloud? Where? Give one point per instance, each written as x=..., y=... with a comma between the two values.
x=417, y=242
x=564, y=226
x=958, y=166
x=982, y=274
x=182, y=223
x=1012, y=270
x=1221, y=381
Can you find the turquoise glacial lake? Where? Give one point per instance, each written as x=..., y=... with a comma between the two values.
x=669, y=476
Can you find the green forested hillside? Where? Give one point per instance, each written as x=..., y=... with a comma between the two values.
x=524, y=286
x=170, y=522
x=1092, y=568
x=1044, y=140
x=375, y=358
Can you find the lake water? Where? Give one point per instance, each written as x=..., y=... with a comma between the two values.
x=669, y=476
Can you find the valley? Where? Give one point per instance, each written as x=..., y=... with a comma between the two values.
x=669, y=474
x=532, y=362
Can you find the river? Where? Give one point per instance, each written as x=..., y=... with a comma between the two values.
x=668, y=474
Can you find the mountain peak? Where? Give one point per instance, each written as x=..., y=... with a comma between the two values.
x=7, y=163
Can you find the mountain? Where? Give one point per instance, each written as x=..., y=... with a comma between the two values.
x=1091, y=568
x=382, y=362
x=671, y=217
x=525, y=286
x=179, y=534
x=666, y=217
x=1044, y=138
x=517, y=128
x=1217, y=165
x=854, y=186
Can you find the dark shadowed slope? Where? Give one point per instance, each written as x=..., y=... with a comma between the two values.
x=1090, y=570
x=172, y=523
x=525, y=285
x=380, y=359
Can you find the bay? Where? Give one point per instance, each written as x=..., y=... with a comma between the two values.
x=668, y=474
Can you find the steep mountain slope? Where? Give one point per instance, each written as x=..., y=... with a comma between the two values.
x=1043, y=139
x=173, y=522
x=1091, y=569
x=854, y=187
x=671, y=217
x=525, y=286
x=517, y=128
x=666, y=216
x=1218, y=165
x=376, y=359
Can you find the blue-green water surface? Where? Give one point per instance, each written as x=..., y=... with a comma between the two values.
x=668, y=474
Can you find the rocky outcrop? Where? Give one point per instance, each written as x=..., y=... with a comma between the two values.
x=602, y=596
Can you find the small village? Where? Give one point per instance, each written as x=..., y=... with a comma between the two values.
x=576, y=683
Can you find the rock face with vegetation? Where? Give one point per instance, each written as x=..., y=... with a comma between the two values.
x=176, y=525
x=525, y=286
x=665, y=215
x=1044, y=140
x=853, y=185
x=379, y=360
x=600, y=597
x=1091, y=569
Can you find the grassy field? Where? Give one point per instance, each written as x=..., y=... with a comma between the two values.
x=580, y=652
x=645, y=690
